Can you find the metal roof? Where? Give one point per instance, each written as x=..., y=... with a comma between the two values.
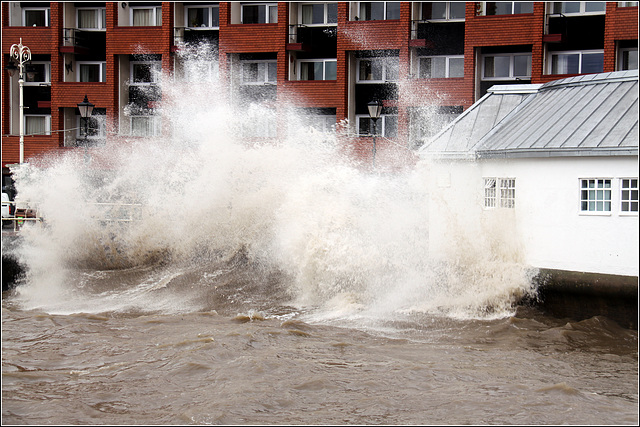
x=595, y=114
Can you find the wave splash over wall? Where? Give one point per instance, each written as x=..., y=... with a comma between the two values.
x=292, y=222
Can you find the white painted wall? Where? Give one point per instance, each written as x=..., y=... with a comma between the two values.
x=546, y=229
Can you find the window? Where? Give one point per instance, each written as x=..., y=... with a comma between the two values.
x=578, y=62
x=506, y=66
x=425, y=122
x=379, y=10
x=144, y=72
x=628, y=59
x=318, y=13
x=378, y=70
x=259, y=124
x=150, y=16
x=260, y=13
x=508, y=8
x=579, y=7
x=91, y=71
x=627, y=4
x=91, y=19
x=35, y=16
x=387, y=125
x=505, y=197
x=629, y=195
x=201, y=71
x=443, y=11
x=202, y=17
x=37, y=124
x=95, y=127
x=595, y=195
x=259, y=72
x=41, y=73
x=145, y=126
x=432, y=67
x=318, y=69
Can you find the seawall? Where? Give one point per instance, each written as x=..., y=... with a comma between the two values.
x=579, y=296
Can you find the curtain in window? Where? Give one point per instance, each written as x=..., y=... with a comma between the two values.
x=89, y=73
x=141, y=126
x=87, y=19
x=142, y=17
x=307, y=13
x=35, y=125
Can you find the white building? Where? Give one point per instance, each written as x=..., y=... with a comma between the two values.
x=550, y=171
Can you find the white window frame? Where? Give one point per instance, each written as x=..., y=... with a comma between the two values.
x=101, y=18
x=581, y=53
x=586, y=196
x=499, y=192
x=385, y=11
x=153, y=125
x=47, y=15
x=210, y=12
x=326, y=14
x=102, y=70
x=47, y=72
x=267, y=18
x=447, y=17
x=513, y=4
x=155, y=11
x=324, y=67
x=553, y=6
x=265, y=78
x=259, y=125
x=387, y=63
x=156, y=67
x=621, y=53
x=47, y=123
x=101, y=127
x=512, y=74
x=447, y=59
x=627, y=196
x=627, y=4
x=381, y=125
x=201, y=71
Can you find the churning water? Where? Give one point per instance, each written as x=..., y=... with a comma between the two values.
x=280, y=283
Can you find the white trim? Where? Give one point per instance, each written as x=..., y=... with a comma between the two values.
x=551, y=7
x=47, y=123
x=154, y=15
x=512, y=58
x=384, y=13
x=580, y=54
x=267, y=13
x=621, y=52
x=386, y=64
x=156, y=67
x=101, y=128
x=630, y=199
x=324, y=67
x=153, y=125
x=447, y=17
x=101, y=72
x=381, y=125
x=100, y=25
x=484, y=8
x=47, y=72
x=261, y=80
x=47, y=15
x=447, y=72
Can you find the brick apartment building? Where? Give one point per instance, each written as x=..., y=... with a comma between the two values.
x=326, y=59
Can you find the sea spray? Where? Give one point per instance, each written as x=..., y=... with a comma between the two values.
x=342, y=240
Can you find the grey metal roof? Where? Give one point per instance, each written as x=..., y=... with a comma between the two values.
x=594, y=114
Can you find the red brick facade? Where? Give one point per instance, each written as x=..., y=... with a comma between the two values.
x=621, y=23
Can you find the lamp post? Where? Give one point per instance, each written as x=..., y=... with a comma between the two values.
x=21, y=54
x=86, y=108
x=375, y=109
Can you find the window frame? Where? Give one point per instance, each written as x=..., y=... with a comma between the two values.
x=581, y=53
x=588, y=199
x=101, y=18
x=512, y=66
x=499, y=192
x=47, y=72
x=381, y=126
x=324, y=62
x=198, y=76
x=101, y=127
x=326, y=14
x=447, y=17
x=513, y=3
x=102, y=72
x=386, y=62
x=47, y=123
x=630, y=199
x=154, y=125
x=47, y=15
x=385, y=10
x=447, y=73
x=156, y=70
x=154, y=15
x=210, y=13
x=266, y=80
x=267, y=5
x=621, y=58
x=582, y=11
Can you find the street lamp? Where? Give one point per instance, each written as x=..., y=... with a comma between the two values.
x=21, y=54
x=375, y=108
x=86, y=108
